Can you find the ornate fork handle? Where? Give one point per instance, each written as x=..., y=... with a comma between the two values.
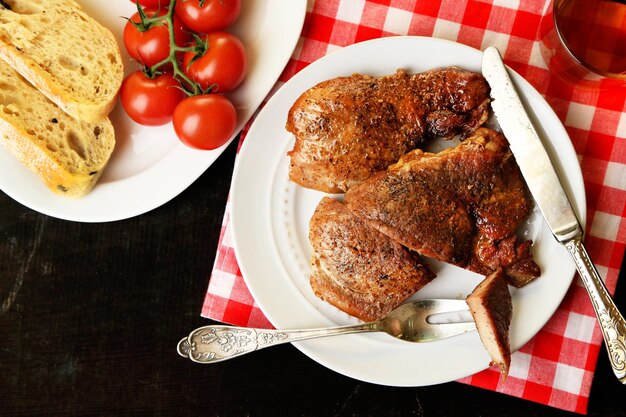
x=611, y=321
x=217, y=343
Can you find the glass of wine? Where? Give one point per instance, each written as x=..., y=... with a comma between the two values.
x=584, y=42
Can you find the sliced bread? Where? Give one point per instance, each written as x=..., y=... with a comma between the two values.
x=69, y=155
x=66, y=54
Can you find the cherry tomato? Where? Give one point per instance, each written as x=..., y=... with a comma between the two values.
x=151, y=3
x=148, y=101
x=204, y=16
x=224, y=64
x=205, y=122
x=153, y=45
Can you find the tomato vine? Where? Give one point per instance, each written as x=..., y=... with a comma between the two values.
x=199, y=48
x=186, y=57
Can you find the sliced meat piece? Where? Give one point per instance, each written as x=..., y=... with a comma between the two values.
x=510, y=254
x=461, y=206
x=358, y=269
x=348, y=128
x=491, y=306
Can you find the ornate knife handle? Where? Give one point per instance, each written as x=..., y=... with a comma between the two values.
x=611, y=321
x=217, y=343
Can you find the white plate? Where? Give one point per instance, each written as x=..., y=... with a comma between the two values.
x=149, y=165
x=270, y=225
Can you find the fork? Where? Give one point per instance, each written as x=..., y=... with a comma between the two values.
x=412, y=322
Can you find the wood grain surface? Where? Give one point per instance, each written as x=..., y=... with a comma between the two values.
x=90, y=315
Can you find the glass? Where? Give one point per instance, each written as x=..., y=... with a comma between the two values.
x=584, y=41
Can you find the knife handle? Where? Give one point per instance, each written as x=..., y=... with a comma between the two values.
x=611, y=320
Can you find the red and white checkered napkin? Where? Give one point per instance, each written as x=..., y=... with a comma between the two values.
x=557, y=366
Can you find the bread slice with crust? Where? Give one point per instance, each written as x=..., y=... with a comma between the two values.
x=69, y=155
x=66, y=54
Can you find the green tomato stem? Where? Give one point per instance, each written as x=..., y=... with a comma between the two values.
x=191, y=87
x=188, y=83
x=147, y=22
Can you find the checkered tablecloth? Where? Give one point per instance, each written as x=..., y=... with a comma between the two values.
x=556, y=367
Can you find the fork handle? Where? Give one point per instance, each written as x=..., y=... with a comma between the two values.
x=216, y=343
x=611, y=320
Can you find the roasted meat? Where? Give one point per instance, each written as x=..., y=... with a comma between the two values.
x=462, y=206
x=358, y=269
x=348, y=128
x=491, y=306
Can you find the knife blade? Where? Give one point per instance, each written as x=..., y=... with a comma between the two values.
x=530, y=154
x=549, y=194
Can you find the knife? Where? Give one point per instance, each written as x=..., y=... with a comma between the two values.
x=548, y=192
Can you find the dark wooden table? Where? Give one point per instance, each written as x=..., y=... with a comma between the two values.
x=90, y=315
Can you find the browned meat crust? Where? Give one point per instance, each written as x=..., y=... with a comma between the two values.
x=461, y=206
x=358, y=269
x=491, y=306
x=348, y=128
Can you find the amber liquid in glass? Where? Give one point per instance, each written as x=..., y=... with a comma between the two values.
x=594, y=32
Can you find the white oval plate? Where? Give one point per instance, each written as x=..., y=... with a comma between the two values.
x=270, y=225
x=150, y=166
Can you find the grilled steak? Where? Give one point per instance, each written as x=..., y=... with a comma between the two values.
x=461, y=206
x=492, y=309
x=348, y=128
x=358, y=269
